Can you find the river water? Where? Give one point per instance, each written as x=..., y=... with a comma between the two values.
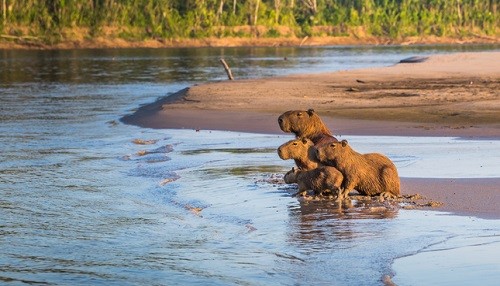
x=83, y=203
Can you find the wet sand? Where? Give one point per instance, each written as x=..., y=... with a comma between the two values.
x=446, y=95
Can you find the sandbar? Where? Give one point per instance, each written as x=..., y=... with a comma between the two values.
x=446, y=95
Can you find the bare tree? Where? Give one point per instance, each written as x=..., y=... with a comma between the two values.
x=219, y=11
x=277, y=9
x=4, y=10
x=311, y=5
x=256, y=14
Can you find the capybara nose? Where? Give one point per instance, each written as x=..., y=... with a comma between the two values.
x=280, y=120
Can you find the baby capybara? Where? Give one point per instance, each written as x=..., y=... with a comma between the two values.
x=370, y=174
x=323, y=179
x=306, y=124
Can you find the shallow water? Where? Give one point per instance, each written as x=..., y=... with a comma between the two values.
x=82, y=204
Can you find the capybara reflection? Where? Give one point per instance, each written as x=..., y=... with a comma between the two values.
x=322, y=180
x=306, y=124
x=370, y=174
x=302, y=151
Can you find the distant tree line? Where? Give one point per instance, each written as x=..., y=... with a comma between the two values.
x=141, y=19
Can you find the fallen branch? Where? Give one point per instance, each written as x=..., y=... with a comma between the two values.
x=228, y=70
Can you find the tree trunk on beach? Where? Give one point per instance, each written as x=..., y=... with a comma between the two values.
x=227, y=69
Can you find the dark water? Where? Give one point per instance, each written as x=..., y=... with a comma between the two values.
x=81, y=203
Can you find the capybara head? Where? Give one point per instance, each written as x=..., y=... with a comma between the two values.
x=291, y=176
x=329, y=152
x=294, y=149
x=303, y=123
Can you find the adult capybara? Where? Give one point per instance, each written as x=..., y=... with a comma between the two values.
x=323, y=179
x=306, y=124
x=302, y=151
x=370, y=174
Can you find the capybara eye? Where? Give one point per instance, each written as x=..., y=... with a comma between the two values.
x=299, y=114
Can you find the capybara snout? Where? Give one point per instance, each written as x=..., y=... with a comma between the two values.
x=283, y=123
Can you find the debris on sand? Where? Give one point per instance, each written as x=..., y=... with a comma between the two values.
x=144, y=142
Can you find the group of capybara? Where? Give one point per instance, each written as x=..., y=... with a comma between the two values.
x=325, y=165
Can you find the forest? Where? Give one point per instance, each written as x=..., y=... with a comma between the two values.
x=135, y=20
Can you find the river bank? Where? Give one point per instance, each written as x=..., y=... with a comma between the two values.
x=447, y=95
x=107, y=42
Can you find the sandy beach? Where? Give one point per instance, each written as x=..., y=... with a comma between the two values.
x=453, y=95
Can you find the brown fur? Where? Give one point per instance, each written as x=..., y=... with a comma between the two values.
x=370, y=174
x=306, y=124
x=302, y=151
x=321, y=179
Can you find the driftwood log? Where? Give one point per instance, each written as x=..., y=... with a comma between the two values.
x=228, y=70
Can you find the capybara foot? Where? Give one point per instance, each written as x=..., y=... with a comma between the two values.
x=300, y=194
x=387, y=195
x=342, y=194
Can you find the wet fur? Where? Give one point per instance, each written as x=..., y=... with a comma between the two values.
x=370, y=174
x=321, y=179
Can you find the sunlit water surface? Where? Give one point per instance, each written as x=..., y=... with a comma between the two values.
x=81, y=203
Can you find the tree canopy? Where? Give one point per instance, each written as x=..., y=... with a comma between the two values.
x=167, y=19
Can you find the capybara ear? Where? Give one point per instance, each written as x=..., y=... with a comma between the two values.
x=344, y=143
x=310, y=111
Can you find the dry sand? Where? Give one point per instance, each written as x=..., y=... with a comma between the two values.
x=446, y=95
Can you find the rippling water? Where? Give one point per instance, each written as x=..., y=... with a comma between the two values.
x=81, y=203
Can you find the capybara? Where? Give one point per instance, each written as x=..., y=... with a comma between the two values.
x=306, y=124
x=323, y=179
x=370, y=174
x=302, y=151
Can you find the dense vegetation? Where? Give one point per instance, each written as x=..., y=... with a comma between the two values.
x=53, y=20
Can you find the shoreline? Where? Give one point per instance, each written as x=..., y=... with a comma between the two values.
x=478, y=197
x=113, y=42
x=446, y=96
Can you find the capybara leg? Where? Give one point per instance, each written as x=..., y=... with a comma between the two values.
x=348, y=187
x=342, y=195
x=326, y=193
x=300, y=194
